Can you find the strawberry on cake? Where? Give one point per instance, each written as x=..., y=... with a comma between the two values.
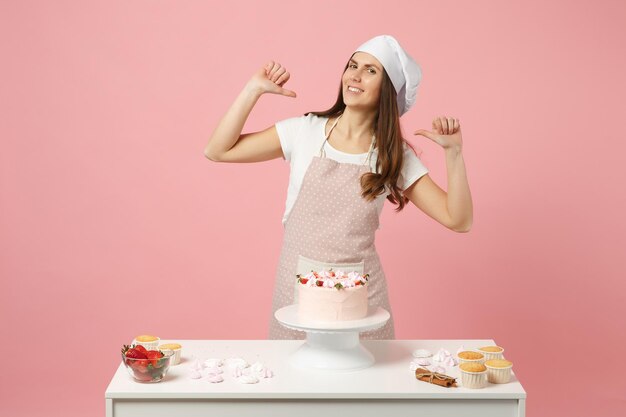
x=332, y=296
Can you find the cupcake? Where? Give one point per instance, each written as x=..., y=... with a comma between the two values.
x=473, y=375
x=491, y=352
x=174, y=347
x=147, y=341
x=468, y=356
x=499, y=370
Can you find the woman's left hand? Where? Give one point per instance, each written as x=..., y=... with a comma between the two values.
x=446, y=132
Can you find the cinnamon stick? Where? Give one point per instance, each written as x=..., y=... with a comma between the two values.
x=435, y=378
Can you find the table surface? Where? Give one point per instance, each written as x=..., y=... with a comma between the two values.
x=388, y=378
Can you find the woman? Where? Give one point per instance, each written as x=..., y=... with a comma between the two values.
x=344, y=162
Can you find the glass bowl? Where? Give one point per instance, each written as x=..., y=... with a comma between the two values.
x=148, y=370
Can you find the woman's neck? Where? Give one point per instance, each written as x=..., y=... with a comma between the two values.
x=355, y=126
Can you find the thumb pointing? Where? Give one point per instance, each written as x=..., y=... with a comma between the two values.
x=287, y=93
x=425, y=133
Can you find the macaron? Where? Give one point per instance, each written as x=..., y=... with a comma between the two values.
x=422, y=353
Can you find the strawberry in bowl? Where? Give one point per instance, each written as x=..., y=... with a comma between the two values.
x=146, y=365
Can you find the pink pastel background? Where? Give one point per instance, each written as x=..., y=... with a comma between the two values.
x=113, y=223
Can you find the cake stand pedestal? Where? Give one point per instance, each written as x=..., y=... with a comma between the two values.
x=332, y=345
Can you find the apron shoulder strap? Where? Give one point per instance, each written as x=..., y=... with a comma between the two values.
x=322, y=151
x=369, y=152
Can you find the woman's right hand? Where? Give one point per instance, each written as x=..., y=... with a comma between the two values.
x=270, y=79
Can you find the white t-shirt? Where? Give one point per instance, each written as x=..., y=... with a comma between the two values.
x=301, y=138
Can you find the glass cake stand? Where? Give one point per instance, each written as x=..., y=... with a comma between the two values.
x=332, y=345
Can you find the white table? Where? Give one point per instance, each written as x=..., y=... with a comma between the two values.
x=387, y=388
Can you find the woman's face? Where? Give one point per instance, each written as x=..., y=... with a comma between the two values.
x=365, y=73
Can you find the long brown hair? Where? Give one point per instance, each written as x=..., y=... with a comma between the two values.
x=389, y=142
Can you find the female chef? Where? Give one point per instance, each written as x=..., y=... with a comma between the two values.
x=344, y=163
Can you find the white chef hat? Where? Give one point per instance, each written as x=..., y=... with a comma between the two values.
x=404, y=72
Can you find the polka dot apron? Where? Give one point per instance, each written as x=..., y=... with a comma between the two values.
x=330, y=225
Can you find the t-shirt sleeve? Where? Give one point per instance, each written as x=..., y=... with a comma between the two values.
x=412, y=169
x=288, y=131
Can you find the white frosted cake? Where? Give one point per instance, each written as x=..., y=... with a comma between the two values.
x=332, y=296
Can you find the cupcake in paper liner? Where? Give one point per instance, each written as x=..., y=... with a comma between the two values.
x=492, y=352
x=498, y=371
x=148, y=341
x=174, y=347
x=473, y=375
x=469, y=356
x=168, y=352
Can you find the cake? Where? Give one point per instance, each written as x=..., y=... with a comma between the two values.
x=499, y=371
x=332, y=296
x=491, y=349
x=498, y=363
x=466, y=356
x=175, y=348
x=148, y=341
x=492, y=352
x=472, y=367
x=473, y=375
x=469, y=355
